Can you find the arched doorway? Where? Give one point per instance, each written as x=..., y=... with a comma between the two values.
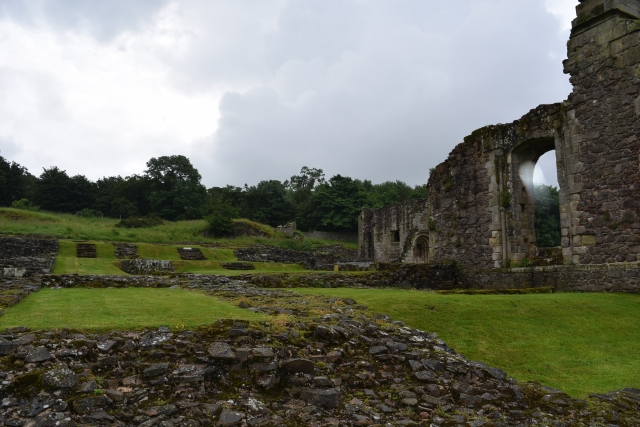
x=525, y=238
x=421, y=249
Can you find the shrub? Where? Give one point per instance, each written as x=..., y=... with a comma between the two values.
x=221, y=219
x=88, y=213
x=145, y=222
x=24, y=204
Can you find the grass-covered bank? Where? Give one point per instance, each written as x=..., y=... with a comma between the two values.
x=129, y=308
x=66, y=226
x=578, y=343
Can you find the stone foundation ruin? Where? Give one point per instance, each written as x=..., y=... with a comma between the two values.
x=480, y=209
x=86, y=250
x=27, y=256
x=191, y=254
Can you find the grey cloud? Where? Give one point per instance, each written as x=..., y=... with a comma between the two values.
x=389, y=93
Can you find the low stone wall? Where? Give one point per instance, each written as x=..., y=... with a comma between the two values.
x=447, y=276
x=146, y=266
x=311, y=259
x=26, y=256
x=619, y=277
x=26, y=266
x=14, y=290
x=332, y=235
x=16, y=247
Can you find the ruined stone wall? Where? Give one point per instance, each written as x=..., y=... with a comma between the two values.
x=480, y=210
x=26, y=257
x=15, y=247
x=604, y=64
x=386, y=233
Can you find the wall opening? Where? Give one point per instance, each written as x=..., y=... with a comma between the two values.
x=547, y=201
x=396, y=236
x=421, y=249
x=536, y=214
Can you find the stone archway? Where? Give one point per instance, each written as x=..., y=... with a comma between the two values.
x=521, y=222
x=421, y=249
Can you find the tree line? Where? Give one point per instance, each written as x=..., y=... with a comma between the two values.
x=171, y=189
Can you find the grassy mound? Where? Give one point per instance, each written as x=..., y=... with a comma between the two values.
x=129, y=308
x=579, y=343
x=66, y=226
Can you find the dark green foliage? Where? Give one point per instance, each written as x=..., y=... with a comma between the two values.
x=220, y=219
x=176, y=191
x=336, y=204
x=505, y=198
x=146, y=222
x=88, y=213
x=15, y=182
x=268, y=203
x=392, y=192
x=56, y=191
x=547, y=222
x=24, y=204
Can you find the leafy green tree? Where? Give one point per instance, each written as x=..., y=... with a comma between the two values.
x=56, y=191
x=52, y=191
x=301, y=189
x=176, y=191
x=82, y=193
x=336, y=204
x=547, y=219
x=220, y=219
x=131, y=197
x=267, y=203
x=390, y=192
x=25, y=205
x=15, y=181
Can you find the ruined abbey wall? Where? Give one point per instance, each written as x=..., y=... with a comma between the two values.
x=480, y=209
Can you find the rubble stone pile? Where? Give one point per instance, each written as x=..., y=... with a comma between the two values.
x=316, y=361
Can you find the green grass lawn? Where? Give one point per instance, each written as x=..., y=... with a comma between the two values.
x=106, y=263
x=68, y=263
x=578, y=343
x=129, y=308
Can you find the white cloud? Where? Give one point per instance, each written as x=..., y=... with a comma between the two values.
x=565, y=10
x=95, y=108
x=255, y=90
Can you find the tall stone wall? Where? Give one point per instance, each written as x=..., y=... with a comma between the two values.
x=480, y=210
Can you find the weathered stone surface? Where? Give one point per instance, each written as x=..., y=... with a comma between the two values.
x=230, y=418
x=155, y=370
x=60, y=377
x=38, y=354
x=324, y=398
x=298, y=366
x=222, y=351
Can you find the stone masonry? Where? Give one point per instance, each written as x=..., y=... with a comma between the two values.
x=480, y=209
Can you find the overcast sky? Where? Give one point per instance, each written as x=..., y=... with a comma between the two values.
x=254, y=90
